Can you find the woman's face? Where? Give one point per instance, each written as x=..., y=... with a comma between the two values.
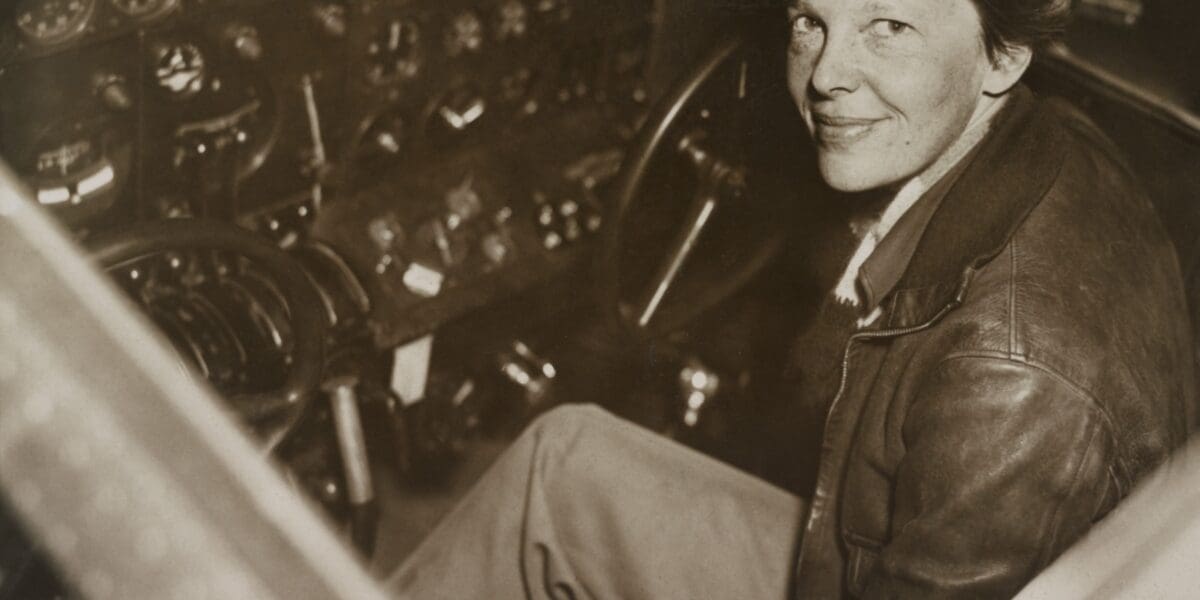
x=885, y=86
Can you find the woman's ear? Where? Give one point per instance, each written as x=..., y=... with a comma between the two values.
x=1006, y=69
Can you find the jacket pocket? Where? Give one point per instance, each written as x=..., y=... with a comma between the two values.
x=862, y=555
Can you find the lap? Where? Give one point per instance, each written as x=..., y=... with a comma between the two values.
x=669, y=518
x=588, y=505
x=592, y=447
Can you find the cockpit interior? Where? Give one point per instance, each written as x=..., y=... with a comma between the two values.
x=387, y=234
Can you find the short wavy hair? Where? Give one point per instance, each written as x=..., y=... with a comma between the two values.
x=1010, y=24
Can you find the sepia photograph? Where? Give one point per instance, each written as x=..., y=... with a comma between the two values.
x=599, y=299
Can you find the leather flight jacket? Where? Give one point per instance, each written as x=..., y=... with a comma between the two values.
x=1031, y=364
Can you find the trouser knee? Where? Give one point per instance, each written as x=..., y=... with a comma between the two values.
x=567, y=420
x=567, y=428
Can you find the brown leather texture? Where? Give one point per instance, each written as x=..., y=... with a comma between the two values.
x=1032, y=364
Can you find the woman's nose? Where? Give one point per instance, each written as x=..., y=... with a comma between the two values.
x=837, y=69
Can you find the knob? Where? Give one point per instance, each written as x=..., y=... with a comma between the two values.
x=698, y=384
x=387, y=141
x=465, y=34
x=463, y=202
x=385, y=137
x=512, y=20
x=244, y=40
x=113, y=91
x=387, y=235
x=331, y=18
x=496, y=247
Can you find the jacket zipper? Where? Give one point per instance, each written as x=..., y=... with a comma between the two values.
x=875, y=335
x=865, y=335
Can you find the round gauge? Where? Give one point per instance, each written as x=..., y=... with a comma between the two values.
x=465, y=34
x=143, y=10
x=48, y=22
x=512, y=20
x=78, y=168
x=179, y=69
x=394, y=52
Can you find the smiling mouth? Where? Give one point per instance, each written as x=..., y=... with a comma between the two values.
x=841, y=131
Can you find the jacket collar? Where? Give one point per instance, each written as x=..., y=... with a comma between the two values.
x=881, y=272
x=1011, y=171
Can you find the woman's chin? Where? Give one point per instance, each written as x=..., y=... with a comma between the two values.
x=845, y=178
x=853, y=175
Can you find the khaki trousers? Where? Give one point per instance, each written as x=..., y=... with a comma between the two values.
x=587, y=505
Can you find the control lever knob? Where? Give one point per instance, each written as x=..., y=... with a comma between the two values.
x=388, y=236
x=331, y=17
x=388, y=142
x=386, y=233
x=463, y=203
x=244, y=40
x=113, y=91
x=496, y=247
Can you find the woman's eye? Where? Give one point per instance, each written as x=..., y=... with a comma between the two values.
x=889, y=27
x=805, y=25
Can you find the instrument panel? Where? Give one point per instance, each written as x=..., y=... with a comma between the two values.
x=443, y=148
x=428, y=164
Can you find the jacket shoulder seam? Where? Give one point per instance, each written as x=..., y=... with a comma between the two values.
x=1094, y=403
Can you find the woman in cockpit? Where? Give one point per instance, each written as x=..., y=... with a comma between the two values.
x=1008, y=327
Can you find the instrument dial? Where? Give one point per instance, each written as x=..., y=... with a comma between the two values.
x=179, y=69
x=50, y=22
x=78, y=168
x=144, y=10
x=465, y=34
x=394, y=52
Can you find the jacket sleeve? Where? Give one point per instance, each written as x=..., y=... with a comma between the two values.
x=1006, y=465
